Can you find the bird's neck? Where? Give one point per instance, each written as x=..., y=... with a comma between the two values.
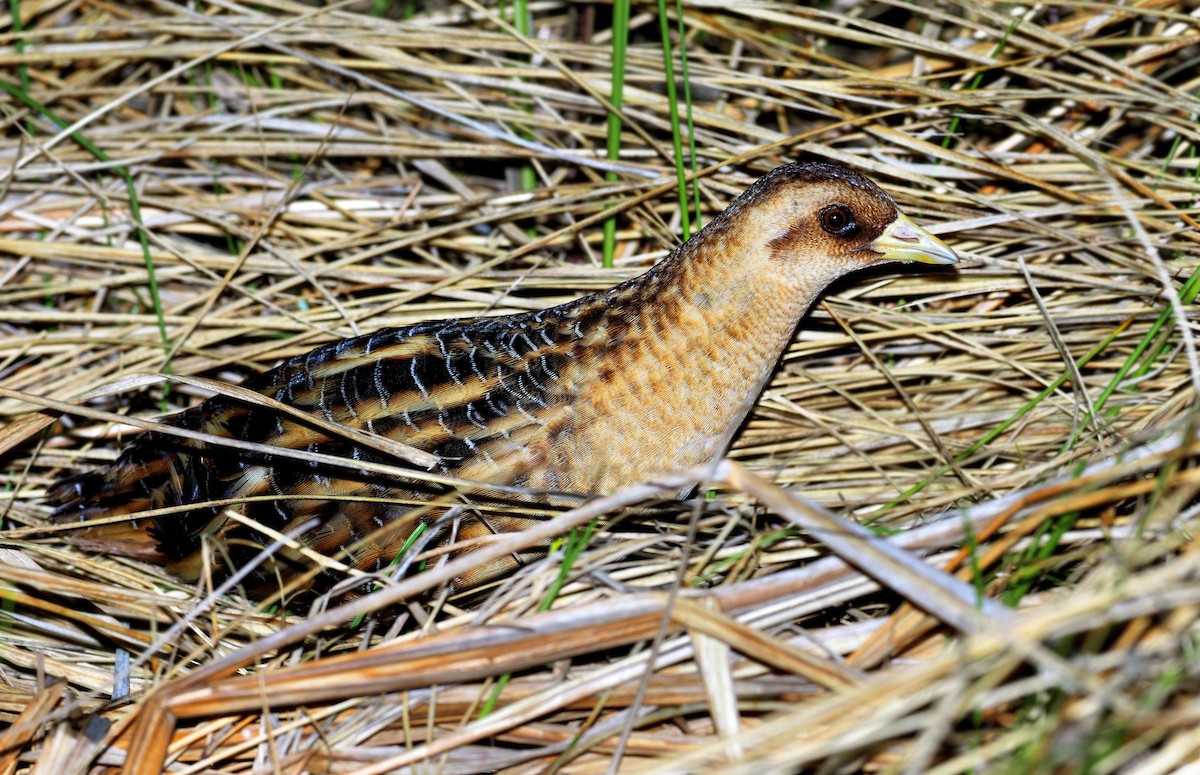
x=730, y=296
x=680, y=355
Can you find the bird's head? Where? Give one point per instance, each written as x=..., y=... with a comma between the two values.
x=818, y=221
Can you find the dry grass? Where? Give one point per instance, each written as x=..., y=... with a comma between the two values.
x=1025, y=422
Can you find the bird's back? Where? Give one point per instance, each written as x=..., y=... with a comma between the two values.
x=483, y=395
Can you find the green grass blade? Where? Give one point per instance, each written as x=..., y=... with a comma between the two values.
x=977, y=81
x=14, y=7
x=1001, y=428
x=523, y=21
x=620, y=45
x=1187, y=295
x=697, y=217
x=135, y=209
x=572, y=547
x=673, y=107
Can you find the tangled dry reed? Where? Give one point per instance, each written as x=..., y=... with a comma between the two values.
x=1024, y=425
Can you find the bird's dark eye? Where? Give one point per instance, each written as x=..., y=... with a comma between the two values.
x=838, y=220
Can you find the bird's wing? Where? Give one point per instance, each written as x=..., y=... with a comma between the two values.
x=484, y=396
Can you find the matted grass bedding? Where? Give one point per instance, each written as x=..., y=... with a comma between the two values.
x=1018, y=432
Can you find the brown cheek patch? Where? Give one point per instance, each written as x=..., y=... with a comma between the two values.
x=798, y=241
x=785, y=242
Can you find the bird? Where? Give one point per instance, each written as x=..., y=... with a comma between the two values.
x=651, y=376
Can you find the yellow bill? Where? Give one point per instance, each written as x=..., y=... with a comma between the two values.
x=904, y=240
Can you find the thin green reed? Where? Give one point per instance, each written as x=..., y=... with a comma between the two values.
x=620, y=44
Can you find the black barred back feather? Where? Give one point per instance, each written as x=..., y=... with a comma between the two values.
x=464, y=390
